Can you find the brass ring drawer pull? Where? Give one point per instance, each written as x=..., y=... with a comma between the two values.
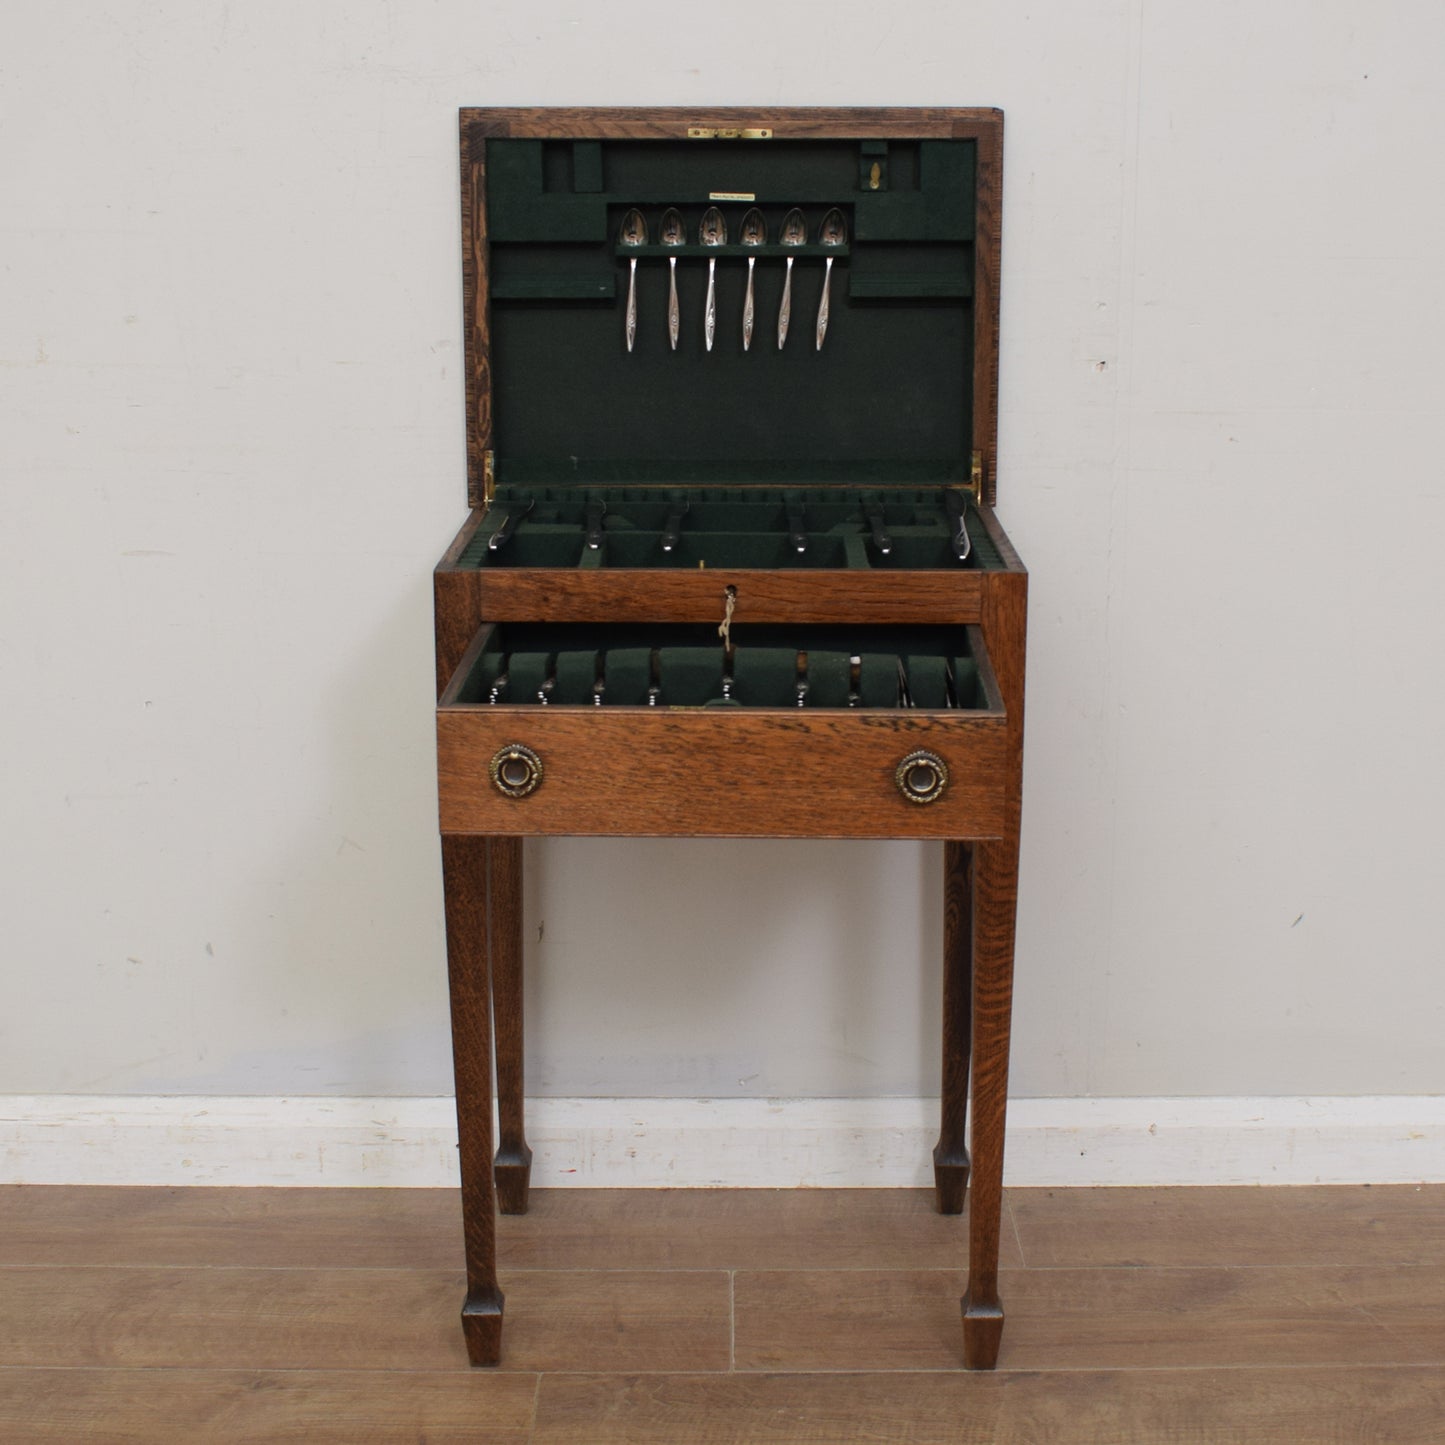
x=922, y=777
x=516, y=770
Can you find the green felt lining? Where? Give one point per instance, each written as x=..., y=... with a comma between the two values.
x=688, y=667
x=967, y=686
x=829, y=676
x=690, y=676
x=556, y=287
x=926, y=680
x=576, y=673
x=765, y=676
x=861, y=469
x=878, y=680
x=728, y=527
x=720, y=549
x=894, y=381
x=526, y=672
x=929, y=195
x=627, y=675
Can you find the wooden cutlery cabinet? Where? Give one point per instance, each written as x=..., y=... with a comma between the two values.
x=732, y=565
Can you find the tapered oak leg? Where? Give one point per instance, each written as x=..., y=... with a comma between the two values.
x=465, y=880
x=514, y=1158
x=995, y=899
x=995, y=890
x=950, y=1154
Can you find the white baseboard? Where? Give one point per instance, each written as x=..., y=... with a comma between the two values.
x=688, y=1143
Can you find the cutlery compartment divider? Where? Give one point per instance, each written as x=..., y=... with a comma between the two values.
x=685, y=665
x=751, y=528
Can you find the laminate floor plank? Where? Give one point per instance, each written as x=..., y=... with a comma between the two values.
x=663, y=1320
x=422, y=1228
x=825, y=1317
x=1060, y=1319
x=736, y=1229
x=1354, y=1406
x=339, y=1407
x=143, y=1317
x=1321, y=1225
x=278, y=1228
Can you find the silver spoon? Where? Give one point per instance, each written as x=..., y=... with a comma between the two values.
x=754, y=234
x=632, y=235
x=795, y=232
x=713, y=232
x=833, y=232
x=673, y=234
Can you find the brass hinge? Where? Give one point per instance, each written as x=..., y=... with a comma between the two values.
x=975, y=479
x=708, y=132
x=489, y=477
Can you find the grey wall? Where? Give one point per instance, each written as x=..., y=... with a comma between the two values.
x=232, y=417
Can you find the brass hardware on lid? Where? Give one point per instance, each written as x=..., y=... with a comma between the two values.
x=707, y=132
x=975, y=478
x=489, y=477
x=875, y=176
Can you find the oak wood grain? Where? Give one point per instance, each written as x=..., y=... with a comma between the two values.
x=1000, y=539
x=1394, y=1406
x=251, y=1407
x=988, y=251
x=476, y=304
x=673, y=122
x=950, y=1154
x=995, y=904
x=1097, y=1318
x=513, y=1166
x=671, y=773
x=719, y=772
x=633, y=594
x=456, y=606
x=466, y=888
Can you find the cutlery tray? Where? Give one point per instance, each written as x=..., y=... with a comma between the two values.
x=829, y=527
x=841, y=731
x=678, y=665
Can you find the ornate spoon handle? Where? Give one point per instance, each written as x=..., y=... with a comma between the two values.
x=748, y=307
x=709, y=320
x=785, y=311
x=632, y=305
x=673, y=320
x=823, y=304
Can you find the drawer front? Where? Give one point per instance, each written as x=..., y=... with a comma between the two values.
x=724, y=772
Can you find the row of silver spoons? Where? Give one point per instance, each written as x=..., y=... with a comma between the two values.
x=832, y=233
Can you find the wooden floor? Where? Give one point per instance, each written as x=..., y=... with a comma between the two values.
x=1152, y=1315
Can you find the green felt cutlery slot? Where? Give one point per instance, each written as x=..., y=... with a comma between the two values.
x=931, y=669
x=759, y=528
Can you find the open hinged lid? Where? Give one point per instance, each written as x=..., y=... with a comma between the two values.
x=900, y=392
